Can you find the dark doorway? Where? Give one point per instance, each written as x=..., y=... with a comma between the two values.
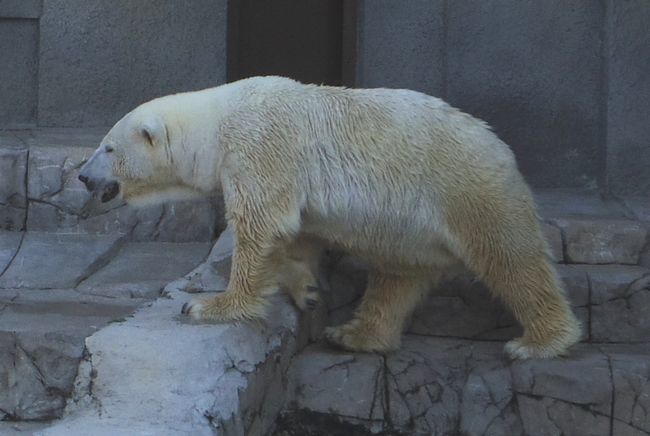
x=301, y=39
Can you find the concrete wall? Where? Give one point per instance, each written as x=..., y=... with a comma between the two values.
x=87, y=62
x=564, y=83
x=18, y=61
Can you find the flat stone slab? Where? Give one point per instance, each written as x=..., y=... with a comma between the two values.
x=142, y=269
x=9, y=243
x=13, y=198
x=88, y=137
x=465, y=308
x=57, y=261
x=160, y=373
x=444, y=386
x=157, y=373
x=601, y=241
x=41, y=343
x=560, y=203
x=620, y=303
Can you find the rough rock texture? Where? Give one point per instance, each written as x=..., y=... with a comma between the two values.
x=41, y=343
x=9, y=243
x=620, y=299
x=55, y=261
x=142, y=269
x=43, y=327
x=13, y=198
x=183, y=377
x=448, y=387
x=603, y=241
x=57, y=199
x=39, y=191
x=464, y=308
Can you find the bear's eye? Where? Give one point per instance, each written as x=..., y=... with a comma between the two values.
x=108, y=148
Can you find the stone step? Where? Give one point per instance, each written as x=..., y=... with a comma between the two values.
x=39, y=191
x=42, y=336
x=611, y=301
x=44, y=322
x=454, y=386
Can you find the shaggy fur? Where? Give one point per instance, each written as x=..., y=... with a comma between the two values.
x=399, y=178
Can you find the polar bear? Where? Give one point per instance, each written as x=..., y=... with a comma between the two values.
x=399, y=178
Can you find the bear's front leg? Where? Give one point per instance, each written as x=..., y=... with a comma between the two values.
x=264, y=222
x=252, y=280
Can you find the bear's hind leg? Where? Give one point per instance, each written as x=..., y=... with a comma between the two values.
x=378, y=321
x=505, y=248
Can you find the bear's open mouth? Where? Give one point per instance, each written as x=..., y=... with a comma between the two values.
x=110, y=191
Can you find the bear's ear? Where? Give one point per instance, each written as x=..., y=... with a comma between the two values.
x=153, y=130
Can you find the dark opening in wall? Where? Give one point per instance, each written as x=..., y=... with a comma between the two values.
x=298, y=39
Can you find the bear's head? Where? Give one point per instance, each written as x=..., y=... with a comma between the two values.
x=136, y=159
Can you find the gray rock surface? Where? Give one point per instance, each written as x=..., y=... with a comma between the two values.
x=180, y=377
x=620, y=298
x=334, y=382
x=9, y=243
x=443, y=386
x=57, y=199
x=13, y=198
x=41, y=343
x=142, y=269
x=56, y=261
x=603, y=241
x=464, y=308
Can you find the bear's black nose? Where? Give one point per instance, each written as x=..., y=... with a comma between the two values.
x=90, y=185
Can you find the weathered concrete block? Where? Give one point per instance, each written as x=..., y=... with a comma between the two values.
x=620, y=298
x=141, y=269
x=343, y=384
x=61, y=260
x=602, y=241
x=573, y=203
x=13, y=198
x=631, y=379
x=9, y=243
x=464, y=308
x=444, y=386
x=553, y=236
x=41, y=342
x=208, y=372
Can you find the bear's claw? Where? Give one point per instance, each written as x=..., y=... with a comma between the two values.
x=193, y=309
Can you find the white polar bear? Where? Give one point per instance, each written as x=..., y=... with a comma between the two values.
x=399, y=178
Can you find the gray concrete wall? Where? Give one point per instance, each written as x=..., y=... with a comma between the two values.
x=628, y=93
x=565, y=84
x=18, y=61
x=79, y=63
x=100, y=58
